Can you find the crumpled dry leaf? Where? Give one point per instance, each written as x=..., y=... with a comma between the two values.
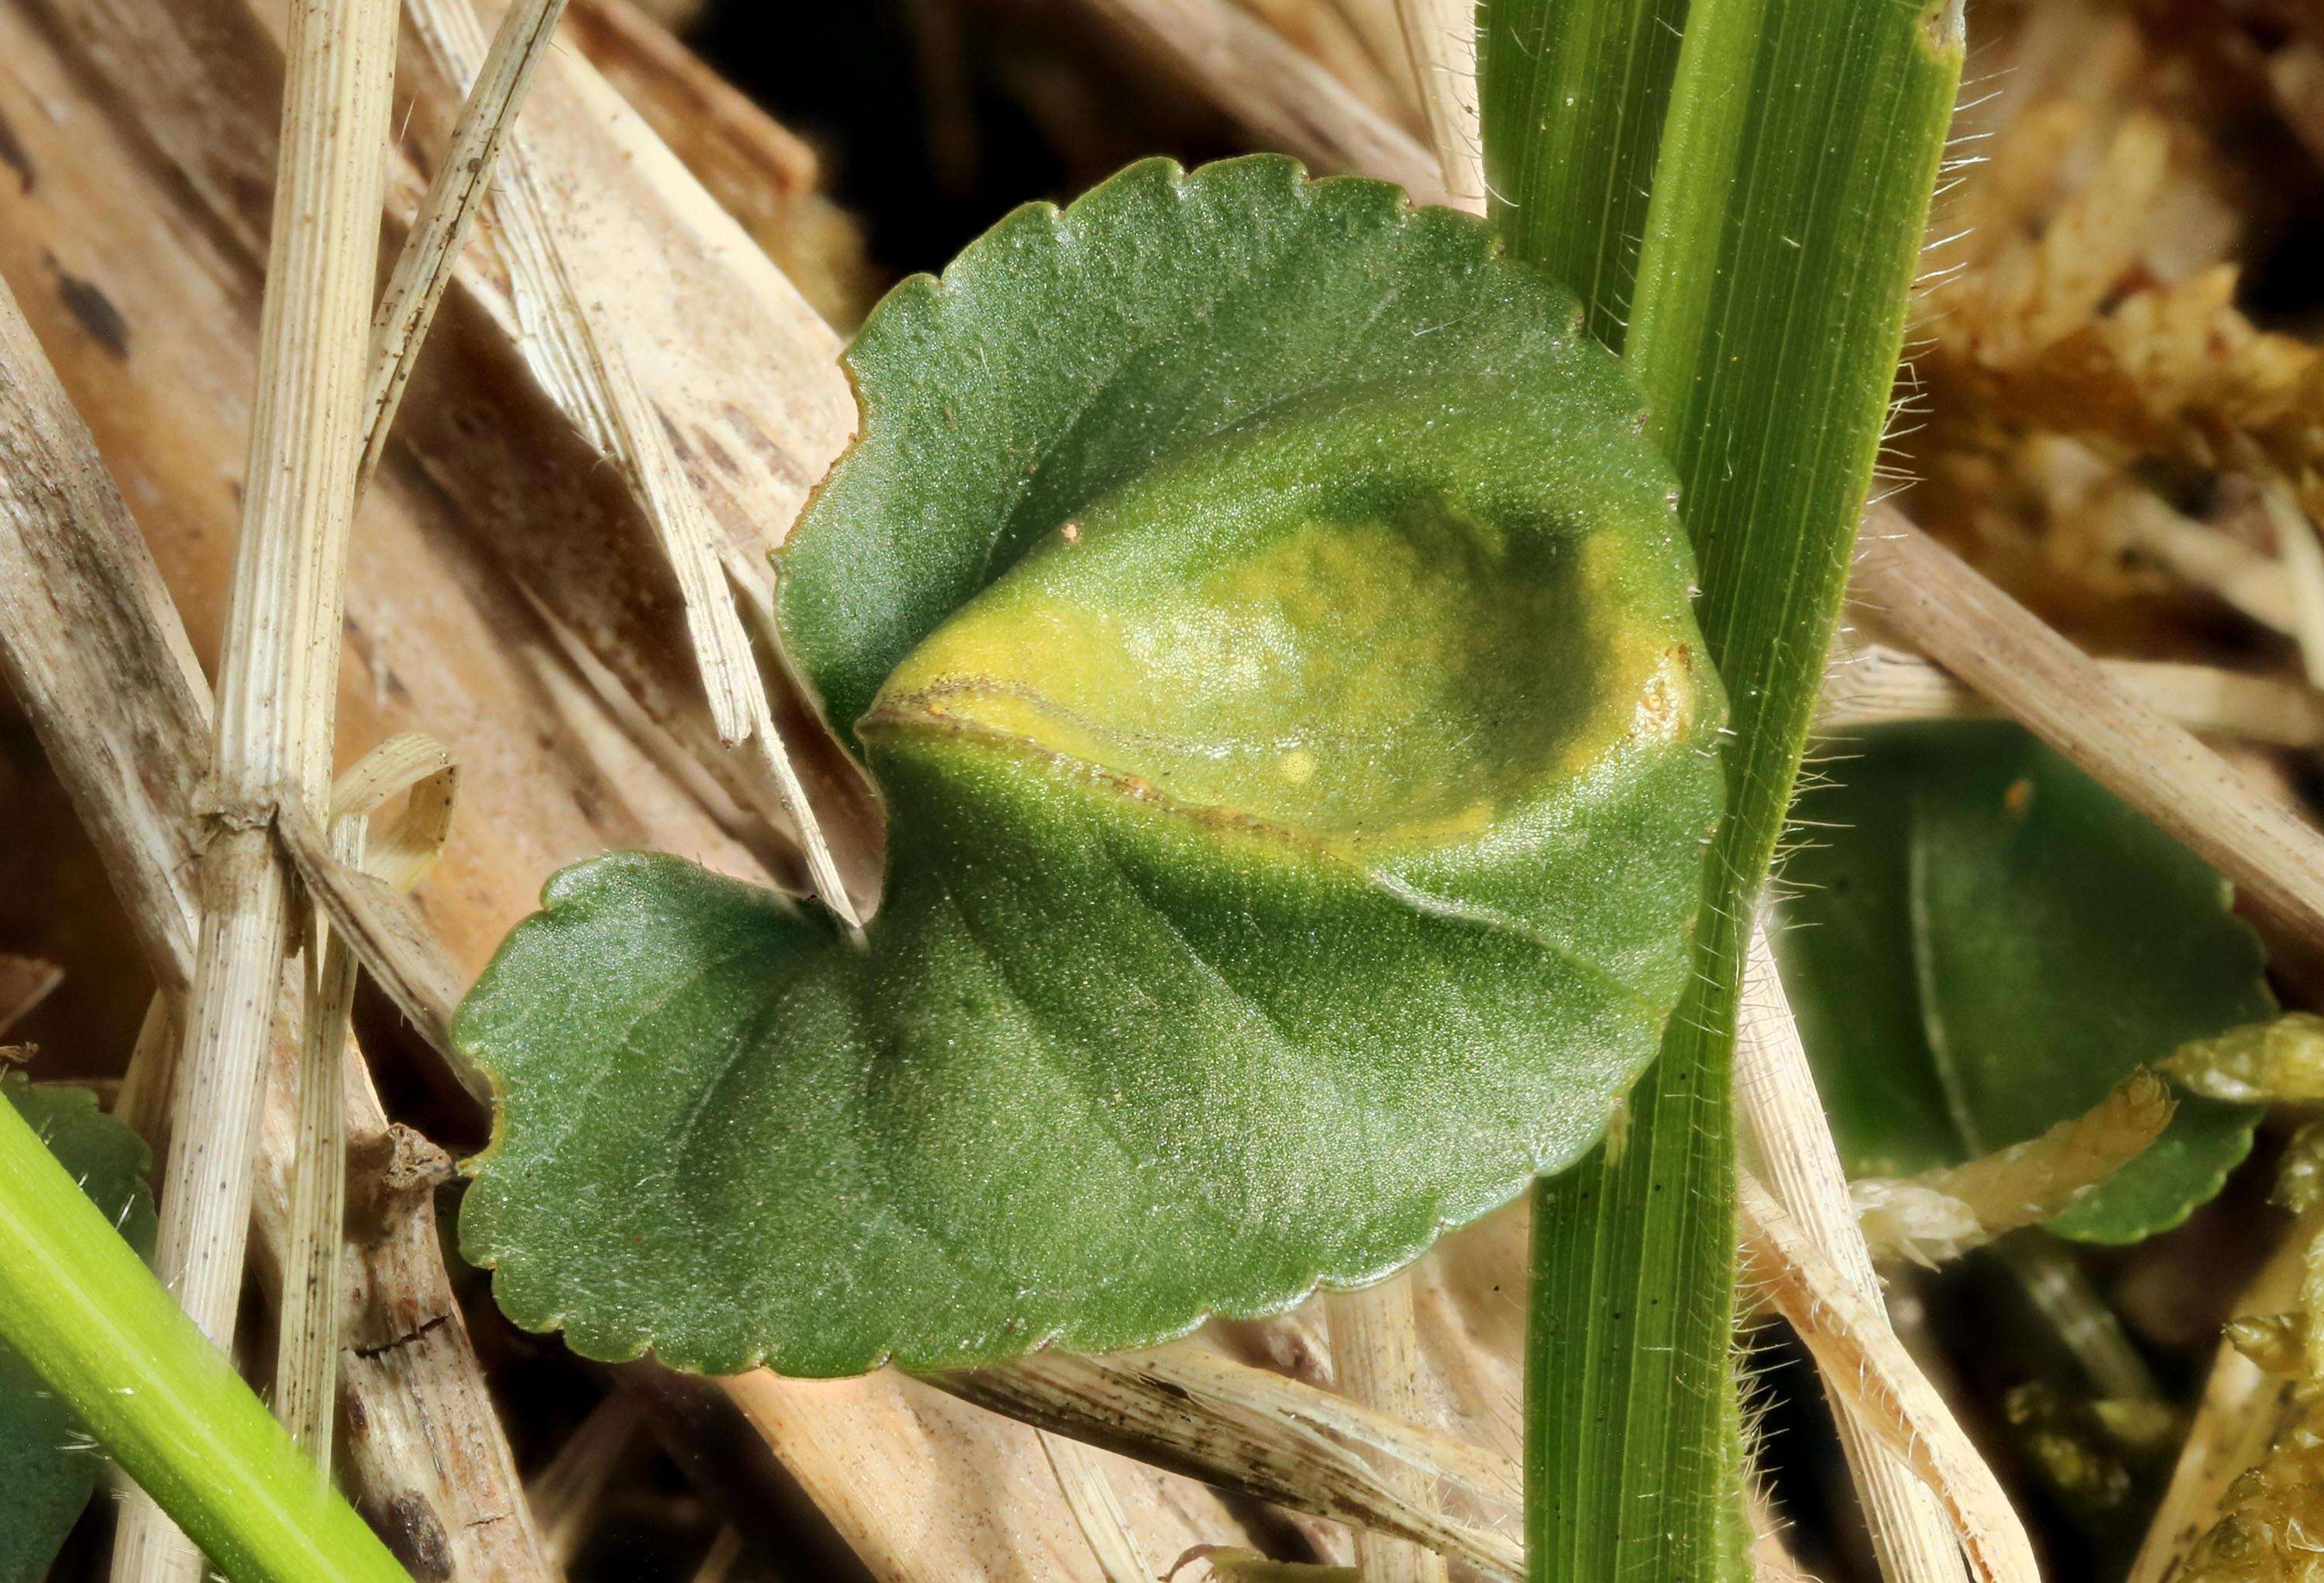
x=2083, y=334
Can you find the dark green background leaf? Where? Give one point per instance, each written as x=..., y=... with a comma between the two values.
x=45, y=1479
x=1981, y=942
x=1268, y=629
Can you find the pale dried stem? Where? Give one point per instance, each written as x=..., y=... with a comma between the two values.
x=307, y=1344
x=306, y=1348
x=582, y=361
x=1375, y=1357
x=85, y=622
x=1441, y=37
x=278, y=690
x=1261, y=1434
x=1874, y=685
x=1278, y=95
x=1786, y=1139
x=454, y=197
x=726, y=1554
x=2079, y=1314
x=2242, y=576
x=1097, y=1510
x=1878, y=1384
x=1997, y=645
x=568, y=1493
x=2302, y=559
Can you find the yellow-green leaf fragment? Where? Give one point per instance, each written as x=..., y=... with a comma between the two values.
x=2279, y=1061
x=1268, y=629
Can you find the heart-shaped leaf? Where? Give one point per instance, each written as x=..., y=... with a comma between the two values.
x=1981, y=942
x=48, y=1464
x=1269, y=631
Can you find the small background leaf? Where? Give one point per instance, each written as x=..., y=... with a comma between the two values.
x=1268, y=624
x=1980, y=942
x=45, y=1479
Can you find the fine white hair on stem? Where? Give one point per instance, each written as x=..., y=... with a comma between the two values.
x=1441, y=38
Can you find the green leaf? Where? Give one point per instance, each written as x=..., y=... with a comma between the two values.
x=1789, y=189
x=1983, y=941
x=48, y=1464
x=1269, y=630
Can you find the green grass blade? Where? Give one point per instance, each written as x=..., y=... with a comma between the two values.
x=91, y=1321
x=1572, y=93
x=1790, y=189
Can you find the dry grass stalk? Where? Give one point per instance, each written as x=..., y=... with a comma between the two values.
x=742, y=374
x=1785, y=1138
x=1441, y=36
x=1874, y=685
x=1276, y=92
x=307, y=1346
x=1940, y=1214
x=1878, y=1385
x=1375, y=1355
x=1081, y=1475
x=385, y=934
x=568, y=1494
x=306, y=1340
x=104, y=668
x=601, y=388
x=1261, y=1434
x=2302, y=558
x=2239, y=575
x=1995, y=645
x=724, y=1554
x=278, y=687
x=72, y=563
x=424, y=268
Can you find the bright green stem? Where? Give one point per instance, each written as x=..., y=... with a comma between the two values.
x=1790, y=189
x=1572, y=93
x=103, y=1334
